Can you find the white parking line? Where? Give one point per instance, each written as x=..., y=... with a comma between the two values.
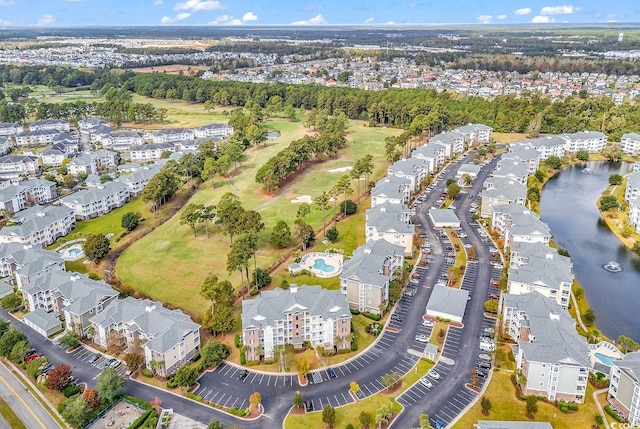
x=214, y=396
x=228, y=399
x=234, y=402
x=269, y=381
x=260, y=382
x=221, y=398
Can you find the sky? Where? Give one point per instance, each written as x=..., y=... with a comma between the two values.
x=54, y=13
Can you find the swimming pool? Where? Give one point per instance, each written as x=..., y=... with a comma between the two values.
x=75, y=251
x=320, y=264
x=607, y=360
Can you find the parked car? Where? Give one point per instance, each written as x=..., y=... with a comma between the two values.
x=434, y=374
x=426, y=382
x=396, y=317
x=428, y=323
x=493, y=296
x=243, y=375
x=422, y=338
x=484, y=356
x=462, y=235
x=308, y=406
x=498, y=265
x=332, y=373
x=483, y=364
x=33, y=356
x=481, y=373
x=94, y=358
x=414, y=281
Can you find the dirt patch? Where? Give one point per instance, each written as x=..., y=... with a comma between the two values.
x=297, y=411
x=393, y=388
x=121, y=414
x=171, y=69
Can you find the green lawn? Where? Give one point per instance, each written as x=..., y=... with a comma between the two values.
x=505, y=406
x=10, y=416
x=170, y=262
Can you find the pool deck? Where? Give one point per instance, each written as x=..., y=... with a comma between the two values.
x=333, y=259
x=68, y=256
x=605, y=348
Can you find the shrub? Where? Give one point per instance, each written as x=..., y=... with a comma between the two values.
x=140, y=420
x=171, y=384
x=564, y=409
x=332, y=234
x=70, y=390
x=354, y=311
x=254, y=292
x=147, y=372
x=243, y=358
x=351, y=207
x=354, y=346
x=253, y=362
x=617, y=417
x=194, y=396
x=372, y=316
x=195, y=357
x=572, y=406
x=237, y=341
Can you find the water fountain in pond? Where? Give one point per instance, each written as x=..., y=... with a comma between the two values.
x=612, y=267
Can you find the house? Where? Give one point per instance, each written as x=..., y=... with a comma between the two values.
x=150, y=151
x=500, y=191
x=390, y=224
x=27, y=193
x=100, y=133
x=591, y=141
x=93, y=162
x=8, y=129
x=433, y=154
x=90, y=124
x=634, y=212
x=630, y=143
x=46, y=324
x=19, y=262
x=548, y=146
x=624, y=387
x=538, y=267
x=60, y=125
x=504, y=424
x=213, y=131
x=69, y=140
x=447, y=302
x=39, y=226
x=511, y=169
x=444, y=218
x=170, y=135
x=168, y=337
x=136, y=181
x=94, y=202
x=476, y=133
x=52, y=156
x=551, y=356
x=295, y=316
x=365, y=277
x=122, y=141
x=632, y=190
x=453, y=142
x=392, y=190
x=5, y=145
x=35, y=138
x=5, y=289
x=413, y=169
x=525, y=154
x=471, y=170
x=71, y=295
x=517, y=224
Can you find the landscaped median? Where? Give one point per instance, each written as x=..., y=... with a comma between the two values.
x=350, y=414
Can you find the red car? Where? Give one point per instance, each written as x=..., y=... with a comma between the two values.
x=33, y=356
x=494, y=283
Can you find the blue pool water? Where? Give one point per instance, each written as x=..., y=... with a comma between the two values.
x=74, y=252
x=607, y=360
x=320, y=264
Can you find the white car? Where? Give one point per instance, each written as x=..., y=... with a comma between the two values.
x=426, y=382
x=498, y=265
x=428, y=323
x=422, y=338
x=433, y=374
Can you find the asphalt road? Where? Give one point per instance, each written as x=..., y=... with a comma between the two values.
x=20, y=400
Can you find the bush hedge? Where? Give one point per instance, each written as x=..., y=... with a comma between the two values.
x=617, y=417
x=146, y=372
x=194, y=396
x=140, y=420
x=372, y=316
x=237, y=341
x=70, y=390
x=240, y=412
x=354, y=311
x=243, y=358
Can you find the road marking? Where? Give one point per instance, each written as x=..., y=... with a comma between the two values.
x=23, y=403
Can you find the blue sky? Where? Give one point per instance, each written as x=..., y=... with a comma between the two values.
x=309, y=12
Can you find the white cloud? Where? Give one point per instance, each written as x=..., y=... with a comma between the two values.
x=369, y=20
x=157, y=2
x=316, y=20
x=538, y=19
x=234, y=22
x=559, y=10
x=224, y=18
x=523, y=11
x=46, y=20
x=484, y=19
x=178, y=17
x=196, y=5
x=503, y=16
x=249, y=16
x=7, y=2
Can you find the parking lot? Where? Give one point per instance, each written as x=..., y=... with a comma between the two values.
x=98, y=360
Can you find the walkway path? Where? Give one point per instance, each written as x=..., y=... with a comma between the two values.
x=600, y=411
x=575, y=305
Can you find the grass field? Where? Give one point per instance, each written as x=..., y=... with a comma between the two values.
x=10, y=416
x=505, y=406
x=170, y=262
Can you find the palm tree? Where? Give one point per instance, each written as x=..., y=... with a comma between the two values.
x=322, y=201
x=207, y=213
x=344, y=187
x=355, y=174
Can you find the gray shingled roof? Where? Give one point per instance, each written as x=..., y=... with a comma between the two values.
x=5, y=289
x=630, y=363
x=553, y=339
x=36, y=218
x=633, y=180
x=43, y=320
x=272, y=305
x=631, y=136
x=368, y=261
x=469, y=168
x=448, y=300
x=88, y=196
x=390, y=187
x=384, y=221
x=443, y=216
x=511, y=189
x=527, y=223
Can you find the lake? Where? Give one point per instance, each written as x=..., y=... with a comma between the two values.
x=568, y=206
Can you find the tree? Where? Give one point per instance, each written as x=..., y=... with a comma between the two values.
x=9, y=339
x=110, y=384
x=305, y=233
x=213, y=352
x=18, y=351
x=129, y=221
x=185, y=376
x=348, y=207
x=532, y=405
x=224, y=319
x=612, y=153
x=96, y=247
x=297, y=400
x=261, y=278
x=235, y=153
x=135, y=358
x=354, y=387
x=229, y=212
x=329, y=415
x=582, y=155
x=608, y=202
x=365, y=419
x=215, y=424
x=303, y=367
x=615, y=179
x=390, y=379
x=280, y=235
x=75, y=411
x=589, y=317
x=423, y=421
x=10, y=302
x=70, y=339
x=191, y=215
x=491, y=305
x=485, y=404
x=59, y=377
x=91, y=397
x=539, y=175
x=216, y=291
x=303, y=211
x=553, y=162
x=453, y=190
x=207, y=213
x=344, y=187
x=255, y=398
x=238, y=259
x=332, y=234
x=322, y=201
x=383, y=415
